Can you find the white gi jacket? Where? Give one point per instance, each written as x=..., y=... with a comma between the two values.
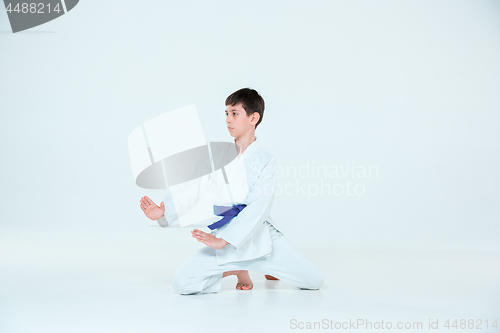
x=252, y=178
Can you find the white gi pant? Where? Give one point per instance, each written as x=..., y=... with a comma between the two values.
x=201, y=274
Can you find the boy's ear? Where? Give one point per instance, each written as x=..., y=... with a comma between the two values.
x=256, y=117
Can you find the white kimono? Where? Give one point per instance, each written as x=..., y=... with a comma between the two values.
x=251, y=178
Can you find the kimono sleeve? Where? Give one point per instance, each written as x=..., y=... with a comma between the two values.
x=185, y=199
x=259, y=203
x=170, y=214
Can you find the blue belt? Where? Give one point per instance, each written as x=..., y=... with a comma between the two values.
x=229, y=213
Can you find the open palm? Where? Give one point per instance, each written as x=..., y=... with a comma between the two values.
x=151, y=209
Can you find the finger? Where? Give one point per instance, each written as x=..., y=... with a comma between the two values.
x=202, y=235
x=201, y=240
x=150, y=201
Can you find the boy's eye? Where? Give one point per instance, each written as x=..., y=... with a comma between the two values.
x=235, y=113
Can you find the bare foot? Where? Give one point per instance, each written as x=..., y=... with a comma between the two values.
x=244, y=281
x=270, y=277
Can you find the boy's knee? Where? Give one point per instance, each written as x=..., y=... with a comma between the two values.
x=179, y=284
x=182, y=288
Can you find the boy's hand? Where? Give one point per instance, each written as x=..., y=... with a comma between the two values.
x=208, y=239
x=151, y=209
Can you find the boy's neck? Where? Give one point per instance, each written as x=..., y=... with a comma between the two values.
x=245, y=140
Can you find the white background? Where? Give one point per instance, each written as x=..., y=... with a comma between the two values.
x=411, y=87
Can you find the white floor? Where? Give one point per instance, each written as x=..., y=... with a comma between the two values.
x=52, y=283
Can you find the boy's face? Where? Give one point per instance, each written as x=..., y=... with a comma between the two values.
x=237, y=121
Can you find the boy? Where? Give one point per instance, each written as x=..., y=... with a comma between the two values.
x=250, y=240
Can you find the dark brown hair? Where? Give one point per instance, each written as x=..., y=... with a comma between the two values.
x=250, y=100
